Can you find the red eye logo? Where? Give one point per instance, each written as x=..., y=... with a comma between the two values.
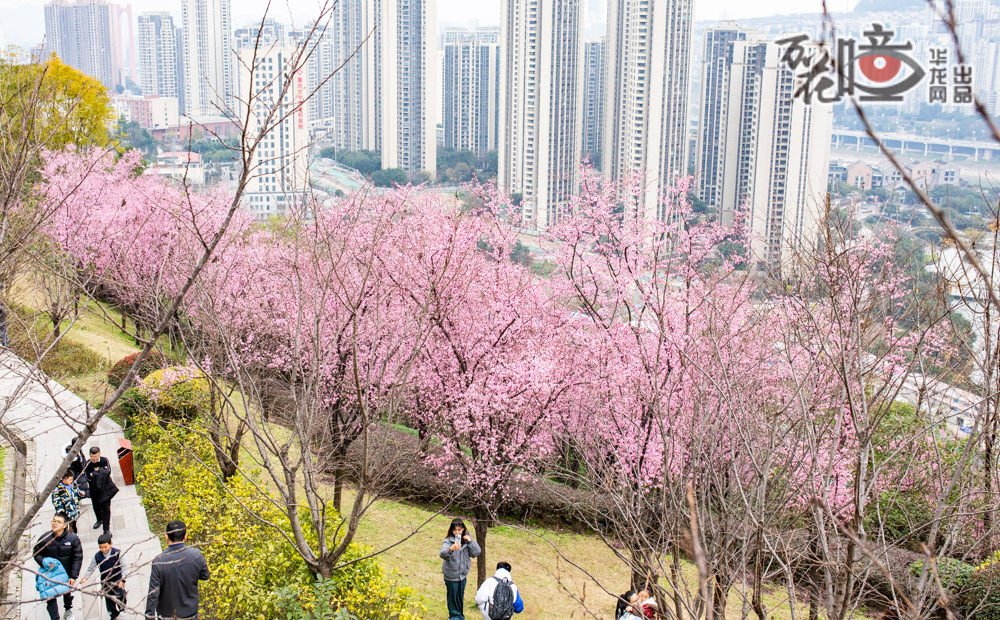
x=879, y=67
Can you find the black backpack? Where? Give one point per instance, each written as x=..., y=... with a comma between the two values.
x=502, y=605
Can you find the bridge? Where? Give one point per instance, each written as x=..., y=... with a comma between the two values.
x=907, y=144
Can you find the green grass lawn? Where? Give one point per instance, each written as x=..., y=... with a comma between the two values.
x=542, y=558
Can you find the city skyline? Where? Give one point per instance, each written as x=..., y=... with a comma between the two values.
x=24, y=25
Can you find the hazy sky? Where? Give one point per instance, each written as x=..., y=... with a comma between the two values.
x=21, y=21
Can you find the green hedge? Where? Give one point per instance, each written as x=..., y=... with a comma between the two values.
x=980, y=599
x=256, y=572
x=954, y=574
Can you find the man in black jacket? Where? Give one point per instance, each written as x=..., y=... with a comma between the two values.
x=102, y=487
x=63, y=545
x=173, y=581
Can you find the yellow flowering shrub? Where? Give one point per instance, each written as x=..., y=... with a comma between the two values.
x=980, y=599
x=256, y=572
x=176, y=393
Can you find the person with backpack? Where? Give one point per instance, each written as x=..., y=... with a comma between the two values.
x=498, y=598
x=457, y=552
x=102, y=487
x=108, y=560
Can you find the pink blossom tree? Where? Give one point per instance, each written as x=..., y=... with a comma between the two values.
x=497, y=365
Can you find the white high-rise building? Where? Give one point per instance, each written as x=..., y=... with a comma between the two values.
x=158, y=55
x=472, y=92
x=541, y=116
x=594, y=81
x=207, y=57
x=280, y=164
x=646, y=114
x=710, y=152
x=86, y=35
x=761, y=147
x=408, y=85
x=347, y=108
x=383, y=93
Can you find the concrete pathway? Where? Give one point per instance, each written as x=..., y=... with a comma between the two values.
x=46, y=414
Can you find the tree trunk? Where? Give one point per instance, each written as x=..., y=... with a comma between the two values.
x=758, y=577
x=55, y=329
x=719, y=599
x=338, y=486
x=988, y=483
x=574, y=467
x=988, y=458
x=228, y=456
x=643, y=570
x=482, y=523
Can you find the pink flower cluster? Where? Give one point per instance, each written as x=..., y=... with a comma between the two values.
x=646, y=351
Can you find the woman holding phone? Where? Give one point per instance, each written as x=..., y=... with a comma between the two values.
x=457, y=552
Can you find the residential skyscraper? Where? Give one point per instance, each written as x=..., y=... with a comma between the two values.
x=540, y=117
x=347, y=107
x=646, y=114
x=85, y=34
x=382, y=93
x=761, y=146
x=207, y=55
x=280, y=164
x=472, y=92
x=408, y=85
x=711, y=151
x=181, y=88
x=594, y=80
x=158, y=55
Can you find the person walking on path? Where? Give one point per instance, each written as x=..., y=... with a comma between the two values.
x=66, y=498
x=61, y=544
x=4, y=340
x=457, y=551
x=173, y=582
x=112, y=567
x=77, y=467
x=498, y=598
x=102, y=487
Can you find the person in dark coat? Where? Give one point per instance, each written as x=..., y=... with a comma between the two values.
x=173, y=580
x=62, y=544
x=102, y=487
x=77, y=467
